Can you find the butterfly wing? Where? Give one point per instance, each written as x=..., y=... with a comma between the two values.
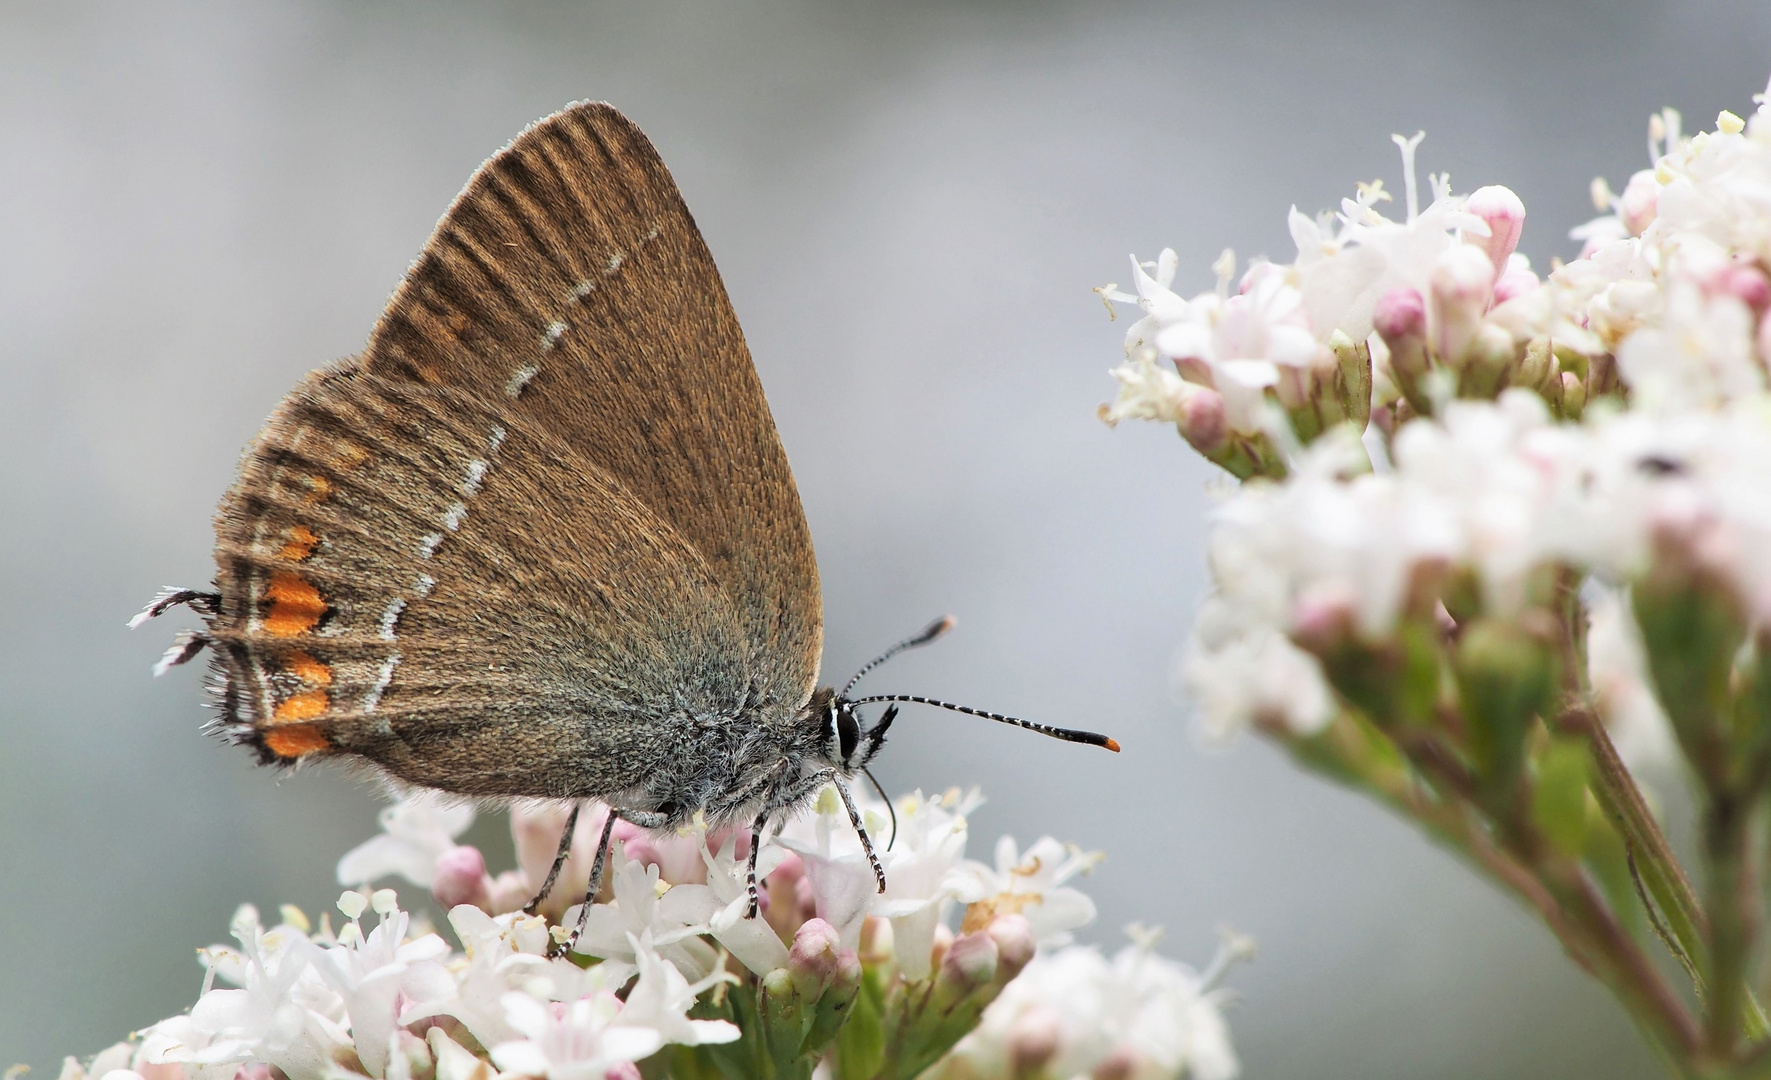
x=549, y=498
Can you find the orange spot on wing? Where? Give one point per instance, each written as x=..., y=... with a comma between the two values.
x=296, y=740
x=319, y=489
x=296, y=606
x=309, y=670
x=301, y=544
x=307, y=705
x=349, y=456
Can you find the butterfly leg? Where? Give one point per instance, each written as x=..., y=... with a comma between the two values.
x=645, y=819
x=756, y=843
x=559, y=860
x=848, y=801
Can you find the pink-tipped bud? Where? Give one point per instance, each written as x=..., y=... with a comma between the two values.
x=1400, y=318
x=1324, y=619
x=813, y=960
x=1015, y=944
x=461, y=878
x=1462, y=282
x=1203, y=422
x=1121, y=1064
x=1033, y=1040
x=626, y=1070
x=970, y=963
x=1504, y=214
x=1517, y=281
x=253, y=1072
x=1749, y=285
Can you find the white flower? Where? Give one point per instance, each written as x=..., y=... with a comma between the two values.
x=1073, y=1012
x=660, y=1001
x=644, y=906
x=1031, y=885
x=842, y=881
x=578, y=1040
x=727, y=901
x=282, y=1014
x=370, y=972
x=500, y=954
x=415, y=830
x=924, y=873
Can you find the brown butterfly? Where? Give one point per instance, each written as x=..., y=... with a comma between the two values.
x=540, y=540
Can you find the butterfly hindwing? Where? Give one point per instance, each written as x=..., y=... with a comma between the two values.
x=543, y=529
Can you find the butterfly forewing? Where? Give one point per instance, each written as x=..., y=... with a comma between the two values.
x=547, y=507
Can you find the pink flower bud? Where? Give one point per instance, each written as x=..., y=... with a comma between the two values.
x=1015, y=943
x=627, y=1070
x=813, y=960
x=1324, y=618
x=1514, y=283
x=1462, y=283
x=461, y=878
x=970, y=963
x=1400, y=318
x=1121, y=1064
x=1203, y=422
x=1749, y=285
x=1033, y=1040
x=1505, y=216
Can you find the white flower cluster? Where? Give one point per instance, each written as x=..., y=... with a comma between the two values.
x=394, y=1001
x=1074, y=1013
x=1609, y=418
x=314, y=1003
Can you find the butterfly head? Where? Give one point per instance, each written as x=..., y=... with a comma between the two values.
x=841, y=740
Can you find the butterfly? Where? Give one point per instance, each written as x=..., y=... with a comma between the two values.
x=540, y=540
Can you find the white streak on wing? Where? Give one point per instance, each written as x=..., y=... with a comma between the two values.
x=422, y=587
x=391, y=617
x=513, y=388
x=386, y=675
x=615, y=262
x=495, y=440
x=652, y=233
x=454, y=516
x=428, y=546
x=551, y=337
x=476, y=477
x=583, y=289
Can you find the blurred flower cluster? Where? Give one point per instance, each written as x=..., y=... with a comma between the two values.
x=669, y=978
x=1498, y=532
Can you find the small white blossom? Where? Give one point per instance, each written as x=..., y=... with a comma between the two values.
x=1031, y=885
x=577, y=1040
x=416, y=829
x=672, y=919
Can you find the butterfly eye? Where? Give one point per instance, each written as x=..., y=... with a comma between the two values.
x=848, y=732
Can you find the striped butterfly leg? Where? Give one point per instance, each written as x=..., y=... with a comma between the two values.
x=848, y=802
x=559, y=860
x=645, y=819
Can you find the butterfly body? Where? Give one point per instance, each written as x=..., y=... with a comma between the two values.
x=540, y=539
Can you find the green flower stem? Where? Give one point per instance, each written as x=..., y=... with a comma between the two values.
x=1662, y=875
x=1573, y=909
x=1731, y=920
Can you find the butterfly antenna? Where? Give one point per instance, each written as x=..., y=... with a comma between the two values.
x=1067, y=734
x=889, y=807
x=927, y=634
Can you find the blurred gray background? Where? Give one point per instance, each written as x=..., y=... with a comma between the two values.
x=910, y=203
